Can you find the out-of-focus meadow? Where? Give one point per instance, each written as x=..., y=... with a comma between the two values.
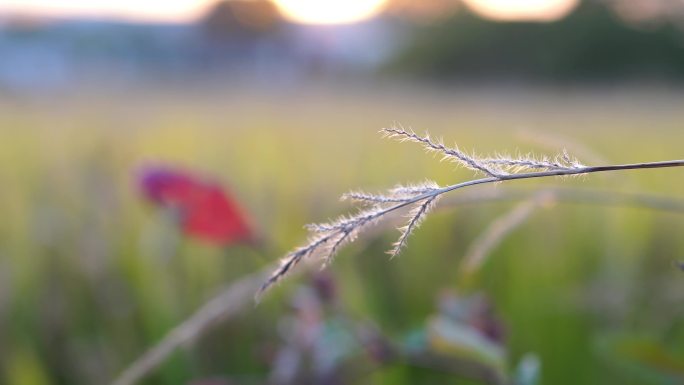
x=92, y=274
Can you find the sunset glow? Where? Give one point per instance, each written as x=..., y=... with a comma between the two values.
x=329, y=11
x=301, y=11
x=522, y=10
x=145, y=10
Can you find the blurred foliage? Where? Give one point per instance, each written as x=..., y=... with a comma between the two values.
x=240, y=19
x=591, y=44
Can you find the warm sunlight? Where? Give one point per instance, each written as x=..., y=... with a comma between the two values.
x=147, y=10
x=329, y=11
x=522, y=10
x=302, y=11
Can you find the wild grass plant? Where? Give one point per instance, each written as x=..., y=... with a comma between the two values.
x=327, y=238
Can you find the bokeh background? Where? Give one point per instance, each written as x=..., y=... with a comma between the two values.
x=280, y=103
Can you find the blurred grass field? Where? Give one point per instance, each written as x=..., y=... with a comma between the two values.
x=90, y=276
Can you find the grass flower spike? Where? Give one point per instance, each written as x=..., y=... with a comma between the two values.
x=327, y=239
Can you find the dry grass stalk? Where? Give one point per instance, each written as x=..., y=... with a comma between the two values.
x=228, y=303
x=597, y=197
x=327, y=238
x=497, y=231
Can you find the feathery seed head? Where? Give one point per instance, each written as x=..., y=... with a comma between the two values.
x=328, y=238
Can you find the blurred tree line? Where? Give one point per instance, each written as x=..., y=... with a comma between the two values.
x=594, y=43
x=241, y=19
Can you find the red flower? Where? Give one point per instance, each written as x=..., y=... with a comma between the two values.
x=206, y=210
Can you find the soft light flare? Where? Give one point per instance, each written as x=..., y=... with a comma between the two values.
x=329, y=11
x=522, y=10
